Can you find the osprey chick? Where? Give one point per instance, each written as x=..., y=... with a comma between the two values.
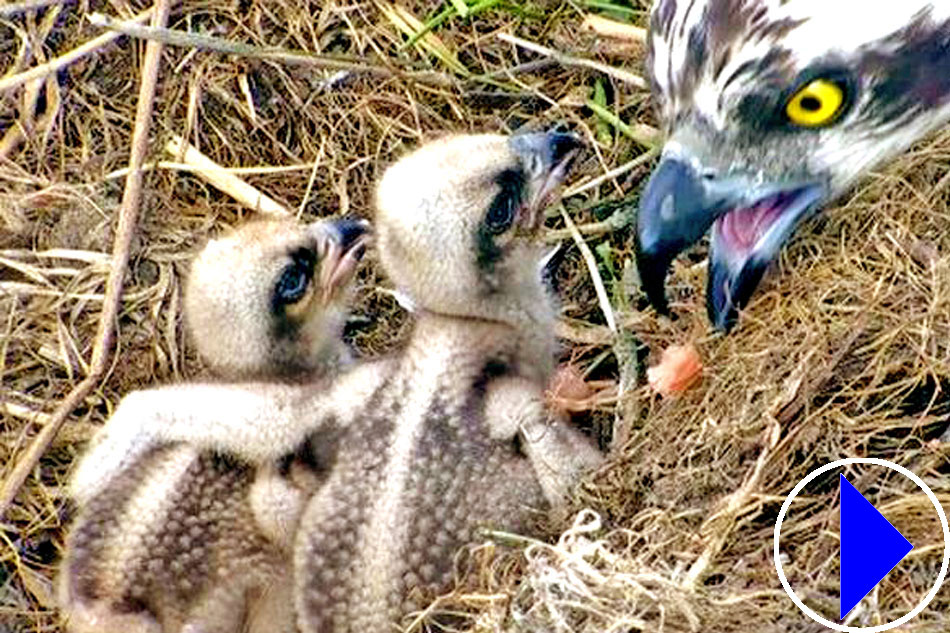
x=773, y=108
x=186, y=539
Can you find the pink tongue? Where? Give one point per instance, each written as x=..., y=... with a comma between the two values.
x=742, y=227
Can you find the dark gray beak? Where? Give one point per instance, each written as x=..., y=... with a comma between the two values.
x=547, y=157
x=751, y=219
x=544, y=152
x=350, y=230
x=676, y=210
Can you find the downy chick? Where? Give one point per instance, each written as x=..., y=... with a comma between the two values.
x=449, y=434
x=184, y=538
x=442, y=448
x=285, y=317
x=257, y=305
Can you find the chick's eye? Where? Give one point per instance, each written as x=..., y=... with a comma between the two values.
x=501, y=214
x=292, y=284
x=295, y=278
x=817, y=103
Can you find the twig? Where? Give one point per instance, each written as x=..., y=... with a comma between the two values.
x=620, y=219
x=627, y=411
x=459, y=8
x=31, y=290
x=606, y=27
x=605, y=396
x=508, y=537
x=237, y=171
x=9, y=10
x=54, y=65
x=128, y=218
x=313, y=178
x=585, y=334
x=535, y=65
x=405, y=21
x=91, y=257
x=25, y=55
x=594, y=273
x=221, y=45
x=221, y=179
x=570, y=60
x=24, y=413
x=28, y=125
x=613, y=173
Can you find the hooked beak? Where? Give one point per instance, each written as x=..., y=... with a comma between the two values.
x=342, y=245
x=750, y=220
x=547, y=158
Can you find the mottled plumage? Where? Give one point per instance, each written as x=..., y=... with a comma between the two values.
x=724, y=75
x=184, y=538
x=436, y=458
x=418, y=450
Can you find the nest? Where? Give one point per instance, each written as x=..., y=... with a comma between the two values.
x=844, y=351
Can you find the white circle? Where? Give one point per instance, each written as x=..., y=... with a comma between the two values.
x=946, y=545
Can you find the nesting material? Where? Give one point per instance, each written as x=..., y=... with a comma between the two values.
x=844, y=351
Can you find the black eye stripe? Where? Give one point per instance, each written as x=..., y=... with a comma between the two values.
x=499, y=217
x=305, y=257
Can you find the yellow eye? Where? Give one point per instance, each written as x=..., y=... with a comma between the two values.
x=816, y=103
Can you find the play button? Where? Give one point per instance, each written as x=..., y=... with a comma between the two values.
x=870, y=547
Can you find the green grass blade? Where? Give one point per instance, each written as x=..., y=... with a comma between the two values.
x=643, y=134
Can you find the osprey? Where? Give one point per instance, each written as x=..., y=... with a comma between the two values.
x=772, y=108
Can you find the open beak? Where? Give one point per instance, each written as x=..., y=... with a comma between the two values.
x=342, y=244
x=750, y=218
x=547, y=158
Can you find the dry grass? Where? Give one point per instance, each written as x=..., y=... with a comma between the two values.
x=844, y=352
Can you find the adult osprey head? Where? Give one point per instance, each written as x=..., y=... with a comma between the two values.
x=773, y=107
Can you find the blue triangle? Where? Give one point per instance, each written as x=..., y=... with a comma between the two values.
x=870, y=546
